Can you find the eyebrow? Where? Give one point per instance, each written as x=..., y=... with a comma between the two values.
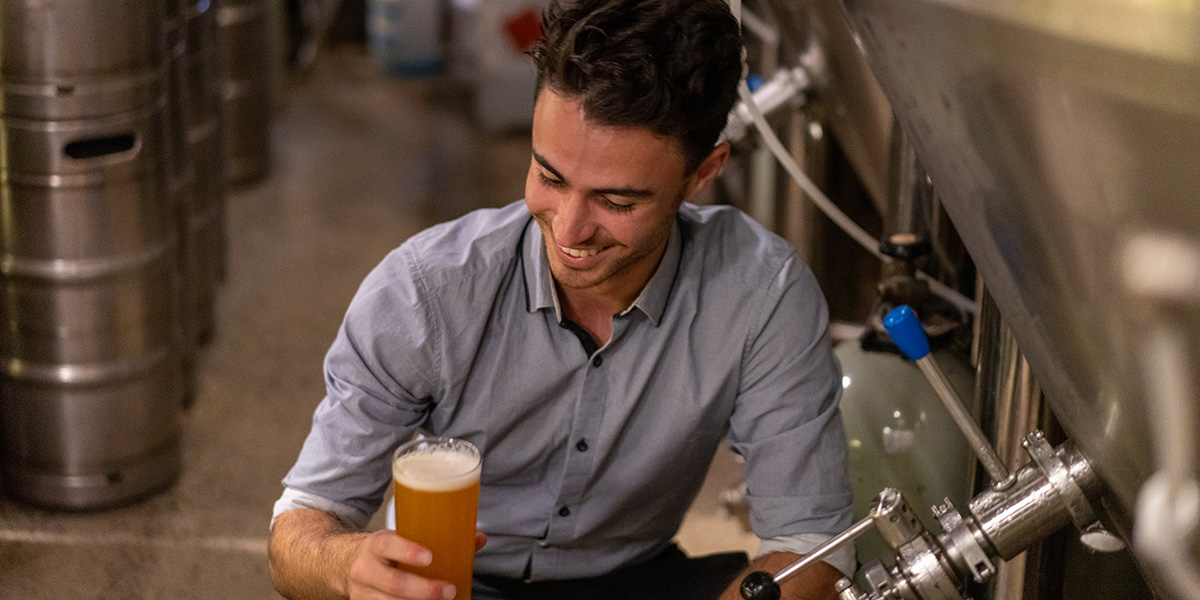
x=625, y=192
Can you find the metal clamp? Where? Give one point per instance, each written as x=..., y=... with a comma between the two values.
x=1059, y=476
x=959, y=539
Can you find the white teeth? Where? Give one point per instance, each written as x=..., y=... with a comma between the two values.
x=579, y=253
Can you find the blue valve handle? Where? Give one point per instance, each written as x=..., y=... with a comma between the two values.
x=906, y=330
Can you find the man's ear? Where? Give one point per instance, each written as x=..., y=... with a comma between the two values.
x=708, y=170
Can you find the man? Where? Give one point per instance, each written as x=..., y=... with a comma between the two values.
x=597, y=343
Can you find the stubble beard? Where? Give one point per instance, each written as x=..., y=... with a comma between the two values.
x=578, y=279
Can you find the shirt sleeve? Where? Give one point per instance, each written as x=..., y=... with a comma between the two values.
x=786, y=422
x=293, y=499
x=381, y=379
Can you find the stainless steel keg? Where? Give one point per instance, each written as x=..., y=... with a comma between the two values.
x=246, y=59
x=91, y=386
x=203, y=107
x=181, y=180
x=82, y=59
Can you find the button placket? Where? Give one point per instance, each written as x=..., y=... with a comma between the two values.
x=579, y=462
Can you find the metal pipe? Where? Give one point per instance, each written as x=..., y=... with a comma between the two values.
x=1011, y=404
x=1024, y=513
x=824, y=550
x=761, y=585
x=906, y=330
x=966, y=423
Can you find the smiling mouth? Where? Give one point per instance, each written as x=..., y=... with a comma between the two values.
x=579, y=253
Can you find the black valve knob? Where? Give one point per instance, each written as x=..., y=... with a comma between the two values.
x=905, y=246
x=760, y=585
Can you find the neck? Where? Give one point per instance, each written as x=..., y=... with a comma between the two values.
x=591, y=312
x=593, y=308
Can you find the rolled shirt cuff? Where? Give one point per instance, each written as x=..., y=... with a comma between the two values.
x=292, y=499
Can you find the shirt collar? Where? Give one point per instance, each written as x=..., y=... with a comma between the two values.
x=541, y=292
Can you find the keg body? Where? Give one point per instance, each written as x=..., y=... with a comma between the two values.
x=92, y=381
x=246, y=91
x=204, y=222
x=80, y=60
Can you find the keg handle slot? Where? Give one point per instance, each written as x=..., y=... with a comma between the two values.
x=100, y=146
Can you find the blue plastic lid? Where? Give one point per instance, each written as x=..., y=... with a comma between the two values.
x=905, y=328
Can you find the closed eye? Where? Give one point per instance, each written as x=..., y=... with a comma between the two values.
x=548, y=182
x=601, y=195
x=615, y=207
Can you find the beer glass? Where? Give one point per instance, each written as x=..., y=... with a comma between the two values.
x=437, y=503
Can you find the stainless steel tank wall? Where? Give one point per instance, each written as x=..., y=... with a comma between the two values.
x=1050, y=143
x=1059, y=136
x=1062, y=139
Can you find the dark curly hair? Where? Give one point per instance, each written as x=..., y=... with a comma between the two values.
x=671, y=66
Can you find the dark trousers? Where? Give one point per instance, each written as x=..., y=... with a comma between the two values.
x=671, y=575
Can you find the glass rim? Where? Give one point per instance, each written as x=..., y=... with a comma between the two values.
x=430, y=444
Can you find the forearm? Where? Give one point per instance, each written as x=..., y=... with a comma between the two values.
x=310, y=552
x=815, y=582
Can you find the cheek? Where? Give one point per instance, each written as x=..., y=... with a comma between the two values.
x=647, y=233
x=530, y=187
x=537, y=198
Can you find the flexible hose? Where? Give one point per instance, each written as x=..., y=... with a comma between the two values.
x=823, y=203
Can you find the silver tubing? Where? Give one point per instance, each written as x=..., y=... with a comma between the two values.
x=824, y=550
x=975, y=437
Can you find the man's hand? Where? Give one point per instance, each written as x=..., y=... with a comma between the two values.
x=313, y=556
x=377, y=569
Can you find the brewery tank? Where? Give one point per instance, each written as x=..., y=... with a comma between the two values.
x=1061, y=137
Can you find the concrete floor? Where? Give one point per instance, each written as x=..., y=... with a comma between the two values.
x=360, y=163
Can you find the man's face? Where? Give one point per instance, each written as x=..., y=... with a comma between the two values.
x=605, y=198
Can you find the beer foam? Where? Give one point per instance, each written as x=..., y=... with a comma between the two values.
x=438, y=471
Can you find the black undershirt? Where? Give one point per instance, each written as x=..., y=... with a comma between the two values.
x=589, y=344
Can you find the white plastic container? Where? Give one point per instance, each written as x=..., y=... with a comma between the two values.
x=505, y=75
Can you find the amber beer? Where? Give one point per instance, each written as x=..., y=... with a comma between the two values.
x=437, y=503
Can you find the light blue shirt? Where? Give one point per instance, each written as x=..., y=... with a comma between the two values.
x=589, y=461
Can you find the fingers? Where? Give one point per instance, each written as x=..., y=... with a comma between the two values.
x=374, y=574
x=480, y=540
x=387, y=544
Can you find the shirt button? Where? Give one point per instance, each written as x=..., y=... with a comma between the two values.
x=596, y=362
x=581, y=446
x=564, y=512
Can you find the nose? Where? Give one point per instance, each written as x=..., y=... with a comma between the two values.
x=573, y=223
